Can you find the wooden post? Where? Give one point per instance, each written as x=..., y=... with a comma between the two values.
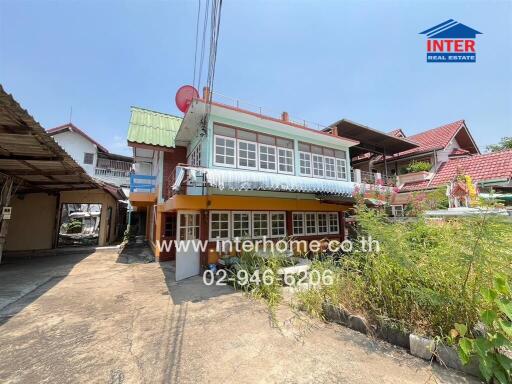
x=56, y=222
x=203, y=235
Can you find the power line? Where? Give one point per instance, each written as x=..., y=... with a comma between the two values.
x=197, y=35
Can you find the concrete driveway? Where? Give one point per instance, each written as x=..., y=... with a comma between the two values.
x=104, y=318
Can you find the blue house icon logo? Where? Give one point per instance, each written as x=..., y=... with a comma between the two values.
x=451, y=42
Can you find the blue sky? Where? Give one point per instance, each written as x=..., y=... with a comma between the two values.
x=321, y=61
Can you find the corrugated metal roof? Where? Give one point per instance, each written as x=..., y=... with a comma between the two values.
x=153, y=128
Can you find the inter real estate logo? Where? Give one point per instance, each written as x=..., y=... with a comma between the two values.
x=451, y=42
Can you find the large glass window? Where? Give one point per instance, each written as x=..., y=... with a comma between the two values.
x=241, y=222
x=278, y=224
x=267, y=158
x=247, y=153
x=330, y=167
x=219, y=225
x=298, y=223
x=310, y=221
x=224, y=151
x=341, y=169
x=285, y=160
x=318, y=165
x=323, y=224
x=305, y=163
x=259, y=224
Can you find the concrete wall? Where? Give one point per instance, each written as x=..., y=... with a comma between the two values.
x=76, y=145
x=32, y=222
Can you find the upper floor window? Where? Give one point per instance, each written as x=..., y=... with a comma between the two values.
x=285, y=160
x=267, y=158
x=330, y=167
x=247, y=153
x=341, y=169
x=224, y=151
x=88, y=158
x=318, y=165
x=305, y=163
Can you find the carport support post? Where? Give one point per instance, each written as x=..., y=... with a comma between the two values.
x=5, y=201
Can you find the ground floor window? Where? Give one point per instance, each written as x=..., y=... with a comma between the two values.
x=219, y=225
x=241, y=222
x=397, y=210
x=313, y=223
x=259, y=224
x=278, y=224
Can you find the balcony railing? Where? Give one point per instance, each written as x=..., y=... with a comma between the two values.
x=359, y=176
x=142, y=183
x=113, y=176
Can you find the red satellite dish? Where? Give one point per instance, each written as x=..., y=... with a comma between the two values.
x=184, y=97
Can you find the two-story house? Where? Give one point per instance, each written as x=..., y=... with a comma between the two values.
x=93, y=157
x=223, y=172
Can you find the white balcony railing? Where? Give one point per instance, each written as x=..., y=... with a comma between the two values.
x=114, y=176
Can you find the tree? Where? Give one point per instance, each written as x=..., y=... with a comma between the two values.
x=505, y=143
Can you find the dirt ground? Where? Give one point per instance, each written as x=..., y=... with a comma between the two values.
x=105, y=318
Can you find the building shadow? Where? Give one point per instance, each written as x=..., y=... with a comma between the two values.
x=24, y=277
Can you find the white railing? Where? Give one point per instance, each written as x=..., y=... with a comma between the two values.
x=113, y=164
x=242, y=104
x=113, y=176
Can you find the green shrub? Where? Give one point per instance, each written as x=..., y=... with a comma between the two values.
x=418, y=166
x=427, y=275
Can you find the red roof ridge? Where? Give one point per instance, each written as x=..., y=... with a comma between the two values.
x=74, y=128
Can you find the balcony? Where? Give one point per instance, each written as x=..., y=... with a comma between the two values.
x=364, y=177
x=142, y=190
x=117, y=177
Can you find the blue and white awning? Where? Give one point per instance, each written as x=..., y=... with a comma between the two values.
x=238, y=180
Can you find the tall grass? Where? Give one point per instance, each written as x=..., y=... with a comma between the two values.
x=426, y=277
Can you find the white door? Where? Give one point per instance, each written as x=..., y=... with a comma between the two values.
x=187, y=247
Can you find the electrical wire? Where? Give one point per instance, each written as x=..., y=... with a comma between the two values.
x=197, y=35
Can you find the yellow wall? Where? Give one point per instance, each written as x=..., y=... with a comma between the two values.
x=32, y=222
x=33, y=219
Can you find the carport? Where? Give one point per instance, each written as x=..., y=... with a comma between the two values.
x=36, y=177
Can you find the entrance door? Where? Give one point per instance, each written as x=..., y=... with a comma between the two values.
x=169, y=223
x=187, y=247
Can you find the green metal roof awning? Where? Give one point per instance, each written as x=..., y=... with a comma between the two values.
x=153, y=128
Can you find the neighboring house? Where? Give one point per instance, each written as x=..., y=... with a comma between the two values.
x=236, y=174
x=436, y=147
x=94, y=158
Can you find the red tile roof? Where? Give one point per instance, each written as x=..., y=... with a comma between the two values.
x=73, y=128
x=415, y=186
x=459, y=152
x=486, y=167
x=437, y=138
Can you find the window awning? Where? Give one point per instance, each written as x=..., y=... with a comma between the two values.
x=237, y=180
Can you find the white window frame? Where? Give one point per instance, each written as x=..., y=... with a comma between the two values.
x=326, y=232
x=333, y=167
x=249, y=230
x=272, y=226
x=260, y=145
x=256, y=159
x=343, y=163
x=308, y=154
x=306, y=224
x=215, y=151
x=187, y=226
x=253, y=227
x=289, y=151
x=336, y=218
x=393, y=210
x=301, y=214
x=210, y=228
x=313, y=155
